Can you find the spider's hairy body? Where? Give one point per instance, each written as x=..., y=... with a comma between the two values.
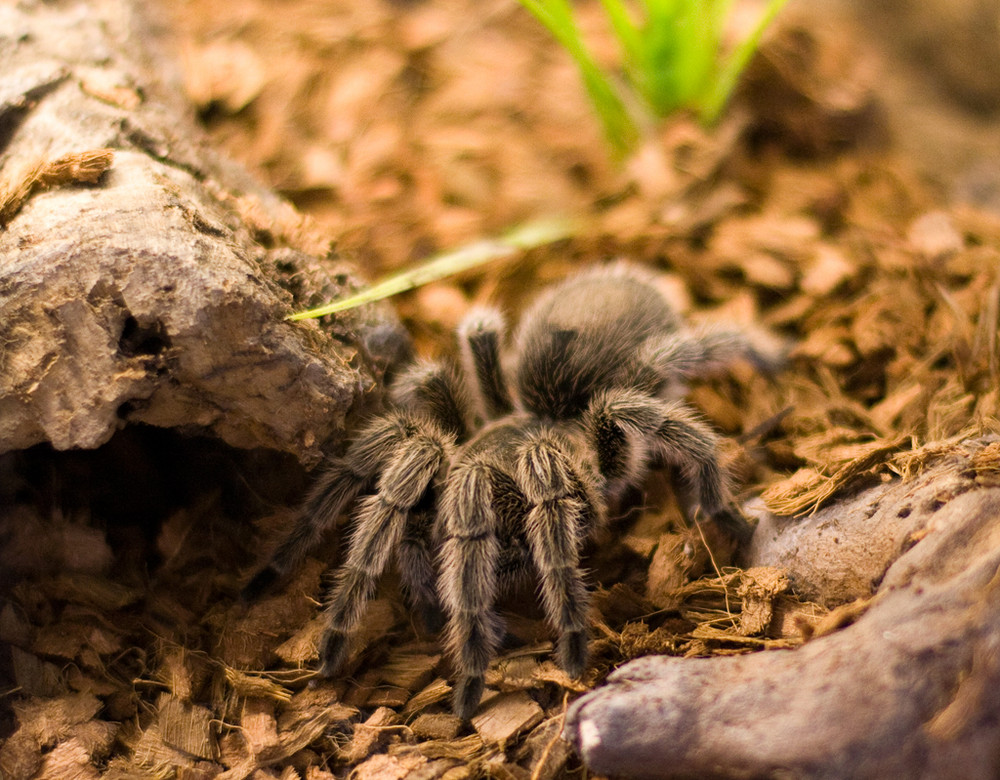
x=575, y=343
x=505, y=465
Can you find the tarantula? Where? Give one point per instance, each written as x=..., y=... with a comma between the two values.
x=508, y=462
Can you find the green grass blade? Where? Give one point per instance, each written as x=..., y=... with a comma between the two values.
x=557, y=16
x=664, y=70
x=699, y=31
x=672, y=53
x=554, y=15
x=629, y=39
x=527, y=236
x=729, y=72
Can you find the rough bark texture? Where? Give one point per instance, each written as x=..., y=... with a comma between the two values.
x=842, y=552
x=909, y=690
x=157, y=294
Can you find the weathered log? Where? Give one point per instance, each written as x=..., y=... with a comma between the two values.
x=908, y=690
x=155, y=294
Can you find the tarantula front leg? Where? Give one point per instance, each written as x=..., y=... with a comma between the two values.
x=556, y=511
x=338, y=485
x=379, y=525
x=435, y=389
x=629, y=429
x=468, y=581
x=562, y=513
x=546, y=496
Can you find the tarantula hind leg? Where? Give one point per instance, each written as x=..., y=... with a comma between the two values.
x=380, y=524
x=705, y=351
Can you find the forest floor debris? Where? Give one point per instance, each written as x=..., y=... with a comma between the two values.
x=390, y=126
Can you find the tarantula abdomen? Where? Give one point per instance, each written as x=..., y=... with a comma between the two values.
x=504, y=465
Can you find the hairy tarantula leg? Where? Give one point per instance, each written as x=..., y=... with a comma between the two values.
x=673, y=433
x=702, y=352
x=468, y=580
x=556, y=531
x=436, y=389
x=337, y=486
x=379, y=525
x=480, y=334
x=418, y=573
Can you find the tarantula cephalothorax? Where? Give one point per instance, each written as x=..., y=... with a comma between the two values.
x=507, y=463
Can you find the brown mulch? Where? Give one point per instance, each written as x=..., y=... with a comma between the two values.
x=406, y=128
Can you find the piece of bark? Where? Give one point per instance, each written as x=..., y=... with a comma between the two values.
x=383, y=767
x=438, y=725
x=367, y=735
x=908, y=690
x=506, y=715
x=187, y=727
x=835, y=556
x=68, y=759
x=152, y=288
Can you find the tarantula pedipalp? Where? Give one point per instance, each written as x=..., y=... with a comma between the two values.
x=507, y=463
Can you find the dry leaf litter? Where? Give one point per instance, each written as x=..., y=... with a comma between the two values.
x=403, y=129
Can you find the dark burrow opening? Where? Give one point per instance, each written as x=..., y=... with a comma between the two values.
x=124, y=491
x=152, y=512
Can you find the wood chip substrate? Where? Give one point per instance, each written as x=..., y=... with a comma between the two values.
x=405, y=128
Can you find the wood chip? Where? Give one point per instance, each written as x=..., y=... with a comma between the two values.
x=98, y=592
x=256, y=685
x=35, y=676
x=319, y=703
x=383, y=767
x=462, y=749
x=827, y=270
x=516, y=671
x=505, y=716
x=436, y=691
x=758, y=588
x=153, y=754
x=544, y=750
x=69, y=760
x=49, y=719
x=437, y=726
x=367, y=734
x=410, y=671
x=187, y=727
x=387, y=696
x=259, y=726
x=302, y=647
x=669, y=569
x=314, y=773
x=79, y=167
x=934, y=235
